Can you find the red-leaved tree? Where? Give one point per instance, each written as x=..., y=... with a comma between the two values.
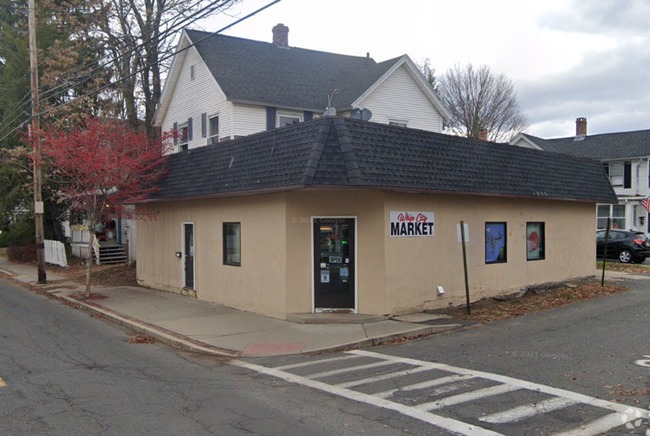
x=101, y=163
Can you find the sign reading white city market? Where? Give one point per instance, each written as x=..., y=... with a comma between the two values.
x=411, y=224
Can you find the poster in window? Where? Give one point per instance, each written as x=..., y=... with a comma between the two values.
x=535, y=241
x=495, y=243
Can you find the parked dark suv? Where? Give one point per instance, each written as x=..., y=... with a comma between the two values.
x=623, y=245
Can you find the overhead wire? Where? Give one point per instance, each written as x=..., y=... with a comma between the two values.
x=195, y=16
x=112, y=84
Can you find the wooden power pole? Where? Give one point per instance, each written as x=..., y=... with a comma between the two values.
x=36, y=126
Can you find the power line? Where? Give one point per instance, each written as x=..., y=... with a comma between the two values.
x=162, y=59
x=201, y=13
x=195, y=16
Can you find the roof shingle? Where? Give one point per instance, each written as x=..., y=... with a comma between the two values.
x=335, y=151
x=258, y=72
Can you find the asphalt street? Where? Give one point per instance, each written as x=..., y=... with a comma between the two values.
x=67, y=374
x=554, y=372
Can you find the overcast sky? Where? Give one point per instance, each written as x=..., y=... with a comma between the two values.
x=568, y=58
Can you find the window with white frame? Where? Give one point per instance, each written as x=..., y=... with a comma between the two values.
x=213, y=129
x=183, y=137
x=614, y=211
x=400, y=123
x=620, y=174
x=288, y=119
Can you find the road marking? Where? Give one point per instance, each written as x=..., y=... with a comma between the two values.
x=598, y=426
x=467, y=397
x=621, y=416
x=527, y=411
x=354, y=368
x=382, y=377
x=2, y=383
x=426, y=384
x=439, y=421
x=643, y=362
x=316, y=362
x=580, y=398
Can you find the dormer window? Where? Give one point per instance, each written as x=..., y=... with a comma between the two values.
x=288, y=119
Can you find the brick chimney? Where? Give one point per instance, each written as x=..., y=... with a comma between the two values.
x=581, y=126
x=281, y=35
x=483, y=134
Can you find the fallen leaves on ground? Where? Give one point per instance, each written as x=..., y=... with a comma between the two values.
x=489, y=310
x=102, y=275
x=623, y=267
x=93, y=296
x=141, y=339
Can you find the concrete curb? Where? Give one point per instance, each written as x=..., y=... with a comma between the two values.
x=185, y=343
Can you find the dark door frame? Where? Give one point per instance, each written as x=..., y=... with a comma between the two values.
x=183, y=273
x=355, y=309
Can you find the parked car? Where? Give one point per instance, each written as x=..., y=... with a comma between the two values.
x=626, y=246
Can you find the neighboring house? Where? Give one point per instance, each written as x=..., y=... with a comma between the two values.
x=224, y=88
x=625, y=157
x=337, y=214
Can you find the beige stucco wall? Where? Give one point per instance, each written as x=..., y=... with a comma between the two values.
x=394, y=275
x=416, y=266
x=258, y=285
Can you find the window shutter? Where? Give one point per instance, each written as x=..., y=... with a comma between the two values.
x=627, y=175
x=175, y=133
x=189, y=129
x=307, y=115
x=204, y=125
x=270, y=118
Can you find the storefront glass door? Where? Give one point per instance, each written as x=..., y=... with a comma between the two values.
x=334, y=263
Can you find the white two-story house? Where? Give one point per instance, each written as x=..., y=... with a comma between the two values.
x=221, y=88
x=625, y=157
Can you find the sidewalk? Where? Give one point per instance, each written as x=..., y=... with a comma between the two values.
x=209, y=328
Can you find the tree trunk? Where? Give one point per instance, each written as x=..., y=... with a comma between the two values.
x=89, y=261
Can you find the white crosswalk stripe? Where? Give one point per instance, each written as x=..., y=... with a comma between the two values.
x=457, y=380
x=467, y=397
x=528, y=411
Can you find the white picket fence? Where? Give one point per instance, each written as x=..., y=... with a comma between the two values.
x=55, y=253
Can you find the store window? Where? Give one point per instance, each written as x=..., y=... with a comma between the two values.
x=232, y=244
x=496, y=242
x=535, y=241
x=615, y=211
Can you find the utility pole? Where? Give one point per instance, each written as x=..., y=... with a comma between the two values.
x=36, y=127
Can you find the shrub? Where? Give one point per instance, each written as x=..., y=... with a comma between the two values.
x=18, y=233
x=23, y=253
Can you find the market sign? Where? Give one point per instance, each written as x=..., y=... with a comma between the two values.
x=411, y=224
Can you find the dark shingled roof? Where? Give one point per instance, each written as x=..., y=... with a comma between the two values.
x=620, y=145
x=340, y=152
x=290, y=77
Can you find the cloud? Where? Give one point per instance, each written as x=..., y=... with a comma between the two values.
x=627, y=17
x=610, y=86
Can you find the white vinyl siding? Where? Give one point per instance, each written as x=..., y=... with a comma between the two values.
x=400, y=98
x=249, y=119
x=192, y=98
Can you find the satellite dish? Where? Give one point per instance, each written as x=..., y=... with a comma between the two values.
x=361, y=114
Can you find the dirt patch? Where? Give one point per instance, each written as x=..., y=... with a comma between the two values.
x=141, y=339
x=101, y=275
x=623, y=267
x=491, y=309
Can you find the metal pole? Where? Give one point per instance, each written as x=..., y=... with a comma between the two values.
x=36, y=125
x=602, y=280
x=462, y=239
